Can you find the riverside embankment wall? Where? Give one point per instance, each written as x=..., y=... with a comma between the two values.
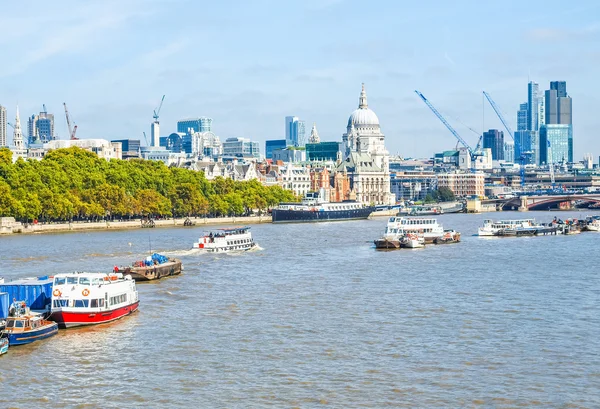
x=18, y=228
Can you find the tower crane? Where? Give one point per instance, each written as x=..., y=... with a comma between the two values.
x=72, y=131
x=157, y=110
x=473, y=153
x=146, y=138
x=550, y=164
x=523, y=155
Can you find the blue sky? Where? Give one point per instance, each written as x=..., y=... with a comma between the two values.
x=248, y=64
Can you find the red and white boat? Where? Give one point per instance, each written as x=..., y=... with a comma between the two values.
x=92, y=298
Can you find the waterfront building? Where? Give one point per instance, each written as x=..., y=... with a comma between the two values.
x=294, y=131
x=3, y=122
x=494, y=139
x=273, y=144
x=201, y=124
x=481, y=162
x=322, y=151
x=365, y=158
x=463, y=184
x=241, y=147
x=296, y=179
x=556, y=142
x=413, y=185
x=42, y=126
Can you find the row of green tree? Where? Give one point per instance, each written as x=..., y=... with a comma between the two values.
x=443, y=194
x=75, y=184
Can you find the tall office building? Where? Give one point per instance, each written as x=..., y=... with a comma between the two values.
x=201, y=124
x=494, y=140
x=556, y=135
x=532, y=106
x=272, y=145
x=295, y=131
x=42, y=126
x=522, y=117
x=3, y=141
x=560, y=87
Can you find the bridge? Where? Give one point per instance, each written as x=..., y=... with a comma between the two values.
x=543, y=202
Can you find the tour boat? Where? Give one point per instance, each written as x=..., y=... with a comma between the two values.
x=430, y=228
x=3, y=345
x=222, y=240
x=25, y=327
x=153, y=267
x=495, y=228
x=413, y=240
x=92, y=298
x=593, y=224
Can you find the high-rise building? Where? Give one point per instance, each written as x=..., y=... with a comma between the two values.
x=556, y=135
x=532, y=106
x=494, y=140
x=241, y=147
x=201, y=124
x=560, y=87
x=551, y=106
x=42, y=126
x=522, y=117
x=295, y=130
x=3, y=121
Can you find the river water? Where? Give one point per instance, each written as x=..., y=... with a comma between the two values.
x=318, y=318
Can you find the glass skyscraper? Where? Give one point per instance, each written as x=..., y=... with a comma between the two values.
x=494, y=140
x=556, y=139
x=273, y=144
x=295, y=131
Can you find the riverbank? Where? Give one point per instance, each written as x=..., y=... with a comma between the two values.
x=8, y=226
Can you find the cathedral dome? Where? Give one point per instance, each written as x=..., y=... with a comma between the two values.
x=363, y=117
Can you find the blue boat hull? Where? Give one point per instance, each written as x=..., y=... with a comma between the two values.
x=299, y=216
x=22, y=338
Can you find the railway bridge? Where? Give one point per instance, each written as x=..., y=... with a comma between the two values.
x=543, y=202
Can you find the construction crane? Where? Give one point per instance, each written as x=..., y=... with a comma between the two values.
x=524, y=156
x=472, y=153
x=550, y=164
x=73, y=130
x=157, y=110
x=146, y=138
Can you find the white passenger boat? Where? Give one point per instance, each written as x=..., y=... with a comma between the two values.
x=401, y=226
x=593, y=223
x=92, y=298
x=222, y=240
x=494, y=228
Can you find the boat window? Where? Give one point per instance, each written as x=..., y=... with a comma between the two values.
x=95, y=281
x=10, y=323
x=19, y=324
x=59, y=280
x=60, y=303
x=81, y=303
x=101, y=302
x=84, y=281
x=94, y=303
x=27, y=323
x=71, y=280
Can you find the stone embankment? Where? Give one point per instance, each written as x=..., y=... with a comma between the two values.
x=8, y=225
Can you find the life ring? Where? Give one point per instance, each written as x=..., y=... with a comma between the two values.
x=85, y=292
x=56, y=293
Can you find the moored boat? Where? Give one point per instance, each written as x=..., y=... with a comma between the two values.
x=314, y=208
x=92, y=298
x=153, y=267
x=224, y=240
x=592, y=223
x=504, y=227
x=429, y=227
x=449, y=237
x=24, y=326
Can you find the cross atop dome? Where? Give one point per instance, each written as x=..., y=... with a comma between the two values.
x=362, y=102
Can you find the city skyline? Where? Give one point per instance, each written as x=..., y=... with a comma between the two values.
x=111, y=62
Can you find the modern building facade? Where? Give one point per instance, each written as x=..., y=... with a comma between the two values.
x=556, y=142
x=494, y=139
x=463, y=184
x=241, y=147
x=532, y=106
x=273, y=144
x=413, y=185
x=322, y=151
x=3, y=123
x=560, y=87
x=201, y=124
x=295, y=130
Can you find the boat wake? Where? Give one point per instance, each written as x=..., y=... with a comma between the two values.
x=189, y=252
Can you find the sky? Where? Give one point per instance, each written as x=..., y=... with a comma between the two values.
x=248, y=64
